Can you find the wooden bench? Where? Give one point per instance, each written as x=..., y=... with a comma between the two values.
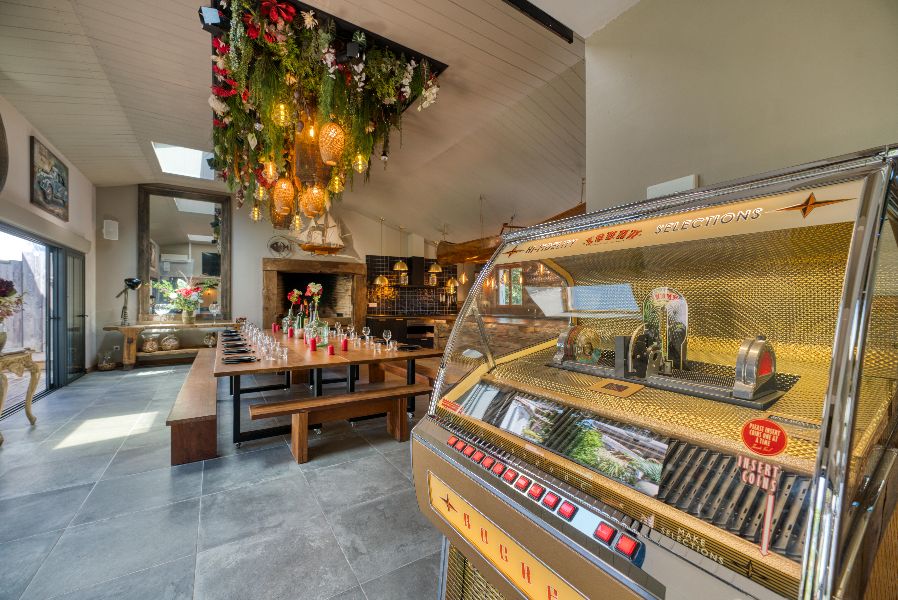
x=390, y=400
x=193, y=421
x=425, y=370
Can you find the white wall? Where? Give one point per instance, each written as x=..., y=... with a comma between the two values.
x=728, y=88
x=16, y=209
x=116, y=260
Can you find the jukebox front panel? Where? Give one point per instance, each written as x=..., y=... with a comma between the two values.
x=662, y=383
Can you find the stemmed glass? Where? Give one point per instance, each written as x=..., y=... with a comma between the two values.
x=366, y=331
x=387, y=335
x=350, y=331
x=215, y=309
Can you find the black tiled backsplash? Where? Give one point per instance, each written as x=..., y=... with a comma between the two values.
x=412, y=299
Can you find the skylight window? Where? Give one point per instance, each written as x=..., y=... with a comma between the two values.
x=178, y=160
x=195, y=206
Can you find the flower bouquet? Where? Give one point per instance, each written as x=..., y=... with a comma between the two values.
x=313, y=293
x=183, y=295
x=295, y=297
x=11, y=302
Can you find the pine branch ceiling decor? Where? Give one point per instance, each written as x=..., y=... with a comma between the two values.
x=302, y=97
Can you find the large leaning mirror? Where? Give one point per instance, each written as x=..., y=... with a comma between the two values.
x=184, y=240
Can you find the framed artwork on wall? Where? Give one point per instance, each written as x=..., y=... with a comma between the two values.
x=49, y=181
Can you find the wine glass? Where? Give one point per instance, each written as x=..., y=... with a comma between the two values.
x=387, y=335
x=350, y=331
x=366, y=331
x=215, y=309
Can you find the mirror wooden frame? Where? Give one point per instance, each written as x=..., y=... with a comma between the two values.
x=144, y=251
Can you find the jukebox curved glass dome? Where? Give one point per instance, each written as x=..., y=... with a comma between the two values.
x=714, y=372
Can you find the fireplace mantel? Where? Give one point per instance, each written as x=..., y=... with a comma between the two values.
x=271, y=267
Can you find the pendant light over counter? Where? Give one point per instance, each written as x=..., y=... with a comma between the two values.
x=380, y=280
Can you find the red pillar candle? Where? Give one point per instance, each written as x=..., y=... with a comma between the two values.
x=344, y=344
x=274, y=328
x=290, y=332
x=330, y=349
x=313, y=344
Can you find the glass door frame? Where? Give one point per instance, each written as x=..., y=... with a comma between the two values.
x=56, y=366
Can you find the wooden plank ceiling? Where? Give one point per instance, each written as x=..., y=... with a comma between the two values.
x=103, y=79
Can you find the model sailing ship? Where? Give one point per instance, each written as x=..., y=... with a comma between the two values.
x=322, y=235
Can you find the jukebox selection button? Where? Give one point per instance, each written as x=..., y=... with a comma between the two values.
x=626, y=546
x=477, y=456
x=487, y=462
x=551, y=500
x=497, y=469
x=460, y=445
x=536, y=492
x=469, y=451
x=605, y=532
x=567, y=510
x=522, y=483
x=451, y=441
x=510, y=475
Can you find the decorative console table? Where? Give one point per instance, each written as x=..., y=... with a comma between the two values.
x=132, y=332
x=17, y=363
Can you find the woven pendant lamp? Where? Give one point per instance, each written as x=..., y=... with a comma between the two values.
x=282, y=195
x=331, y=140
x=313, y=200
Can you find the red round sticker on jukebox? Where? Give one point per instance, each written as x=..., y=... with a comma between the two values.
x=764, y=437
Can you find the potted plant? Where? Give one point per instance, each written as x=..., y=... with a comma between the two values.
x=11, y=302
x=185, y=296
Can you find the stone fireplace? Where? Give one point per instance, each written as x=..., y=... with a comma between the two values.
x=344, y=297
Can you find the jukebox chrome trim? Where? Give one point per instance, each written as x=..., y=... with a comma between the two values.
x=819, y=564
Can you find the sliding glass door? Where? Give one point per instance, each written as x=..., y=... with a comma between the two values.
x=75, y=317
x=51, y=324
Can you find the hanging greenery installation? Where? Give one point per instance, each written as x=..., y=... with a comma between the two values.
x=281, y=77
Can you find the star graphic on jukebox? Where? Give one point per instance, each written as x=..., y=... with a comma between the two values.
x=512, y=252
x=449, y=506
x=808, y=206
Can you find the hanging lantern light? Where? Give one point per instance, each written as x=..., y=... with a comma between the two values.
x=400, y=265
x=435, y=268
x=280, y=114
x=313, y=199
x=311, y=131
x=452, y=284
x=296, y=223
x=359, y=163
x=255, y=215
x=463, y=279
x=336, y=185
x=270, y=171
x=330, y=143
x=282, y=196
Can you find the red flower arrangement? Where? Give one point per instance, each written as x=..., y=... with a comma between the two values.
x=294, y=296
x=275, y=11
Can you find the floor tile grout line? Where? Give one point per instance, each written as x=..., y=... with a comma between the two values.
x=411, y=562
x=105, y=581
x=333, y=533
x=199, y=521
x=75, y=514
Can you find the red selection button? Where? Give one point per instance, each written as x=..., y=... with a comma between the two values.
x=487, y=462
x=477, y=456
x=626, y=546
x=551, y=500
x=605, y=532
x=451, y=441
x=536, y=492
x=460, y=445
x=497, y=469
x=469, y=451
x=567, y=510
x=510, y=475
x=522, y=484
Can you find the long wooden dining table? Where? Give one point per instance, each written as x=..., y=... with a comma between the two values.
x=300, y=357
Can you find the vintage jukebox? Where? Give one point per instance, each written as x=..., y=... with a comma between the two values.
x=689, y=397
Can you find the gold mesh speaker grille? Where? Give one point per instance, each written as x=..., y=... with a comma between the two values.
x=463, y=582
x=883, y=580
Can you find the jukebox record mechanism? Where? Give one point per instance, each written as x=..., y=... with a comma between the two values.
x=654, y=355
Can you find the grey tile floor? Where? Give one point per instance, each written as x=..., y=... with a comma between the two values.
x=90, y=508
